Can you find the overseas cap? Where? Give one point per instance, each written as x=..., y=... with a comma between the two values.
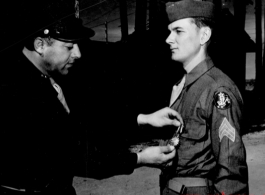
x=189, y=8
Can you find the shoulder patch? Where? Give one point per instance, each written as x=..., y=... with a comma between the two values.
x=222, y=100
x=226, y=129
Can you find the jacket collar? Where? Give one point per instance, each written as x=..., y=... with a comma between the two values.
x=198, y=71
x=32, y=70
x=28, y=75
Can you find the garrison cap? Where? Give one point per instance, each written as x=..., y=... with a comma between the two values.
x=189, y=8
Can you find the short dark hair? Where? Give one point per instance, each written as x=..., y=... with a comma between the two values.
x=29, y=42
x=203, y=21
x=206, y=22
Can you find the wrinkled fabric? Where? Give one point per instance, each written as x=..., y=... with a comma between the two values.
x=211, y=144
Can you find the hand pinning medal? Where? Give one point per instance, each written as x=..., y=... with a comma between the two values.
x=175, y=140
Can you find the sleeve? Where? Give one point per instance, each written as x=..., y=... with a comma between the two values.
x=226, y=125
x=103, y=150
x=102, y=162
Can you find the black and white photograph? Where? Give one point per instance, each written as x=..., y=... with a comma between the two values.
x=132, y=97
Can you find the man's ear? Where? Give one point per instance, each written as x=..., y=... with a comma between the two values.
x=206, y=34
x=39, y=45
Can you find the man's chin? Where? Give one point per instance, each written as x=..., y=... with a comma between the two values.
x=176, y=58
x=65, y=72
x=58, y=74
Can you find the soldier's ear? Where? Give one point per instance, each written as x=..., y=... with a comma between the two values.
x=39, y=45
x=206, y=34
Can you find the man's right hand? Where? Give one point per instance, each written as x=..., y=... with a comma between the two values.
x=160, y=118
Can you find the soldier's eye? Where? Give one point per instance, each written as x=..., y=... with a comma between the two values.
x=69, y=47
x=178, y=31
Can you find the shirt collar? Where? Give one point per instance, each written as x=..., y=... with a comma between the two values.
x=198, y=71
x=190, y=67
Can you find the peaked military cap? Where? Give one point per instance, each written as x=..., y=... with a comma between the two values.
x=189, y=8
x=58, y=19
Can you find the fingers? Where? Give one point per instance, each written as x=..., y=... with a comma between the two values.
x=169, y=121
x=156, y=155
x=165, y=153
x=175, y=115
x=160, y=118
x=170, y=155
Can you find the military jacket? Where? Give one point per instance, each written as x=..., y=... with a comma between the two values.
x=211, y=144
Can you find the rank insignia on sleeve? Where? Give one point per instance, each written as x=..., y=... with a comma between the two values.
x=226, y=129
x=222, y=100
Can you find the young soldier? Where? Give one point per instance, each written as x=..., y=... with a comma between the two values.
x=211, y=157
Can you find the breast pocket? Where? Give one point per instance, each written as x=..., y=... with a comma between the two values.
x=194, y=133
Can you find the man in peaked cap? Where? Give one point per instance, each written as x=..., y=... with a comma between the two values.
x=41, y=146
x=211, y=157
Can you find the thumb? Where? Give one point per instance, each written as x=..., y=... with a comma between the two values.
x=167, y=149
x=176, y=123
x=170, y=155
x=173, y=122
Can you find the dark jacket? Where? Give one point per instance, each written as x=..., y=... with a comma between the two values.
x=41, y=144
x=211, y=144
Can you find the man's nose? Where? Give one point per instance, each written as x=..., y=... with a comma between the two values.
x=76, y=52
x=169, y=39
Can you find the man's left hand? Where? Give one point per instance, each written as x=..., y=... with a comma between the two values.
x=156, y=155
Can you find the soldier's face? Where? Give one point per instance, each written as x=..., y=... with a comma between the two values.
x=184, y=40
x=60, y=56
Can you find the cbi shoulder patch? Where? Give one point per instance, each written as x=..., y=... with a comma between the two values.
x=226, y=129
x=222, y=100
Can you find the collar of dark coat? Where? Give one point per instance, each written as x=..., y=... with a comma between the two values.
x=29, y=77
x=198, y=71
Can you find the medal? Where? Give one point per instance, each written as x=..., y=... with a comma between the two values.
x=174, y=141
